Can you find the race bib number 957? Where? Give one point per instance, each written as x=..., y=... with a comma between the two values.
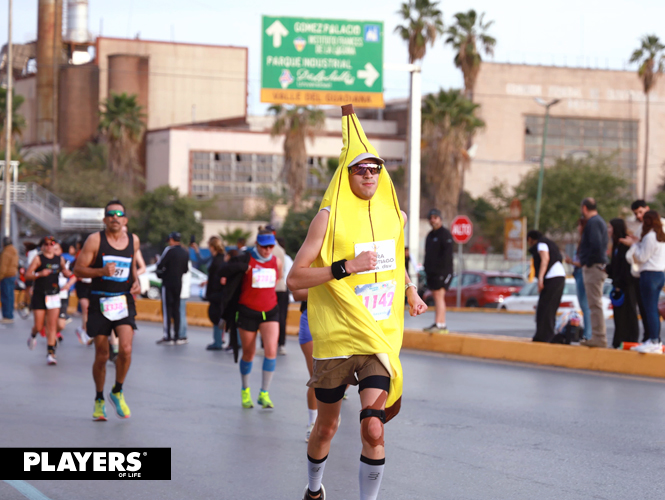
x=122, y=267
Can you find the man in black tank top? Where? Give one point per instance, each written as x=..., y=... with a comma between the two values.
x=108, y=257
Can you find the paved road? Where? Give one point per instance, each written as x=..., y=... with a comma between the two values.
x=469, y=429
x=514, y=325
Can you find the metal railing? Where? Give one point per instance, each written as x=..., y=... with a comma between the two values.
x=44, y=206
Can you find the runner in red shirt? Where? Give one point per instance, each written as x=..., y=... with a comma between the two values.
x=257, y=310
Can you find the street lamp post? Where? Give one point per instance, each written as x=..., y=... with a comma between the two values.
x=547, y=105
x=8, y=126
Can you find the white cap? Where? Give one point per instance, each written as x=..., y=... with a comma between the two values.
x=364, y=156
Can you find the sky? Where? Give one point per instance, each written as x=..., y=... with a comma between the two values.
x=580, y=33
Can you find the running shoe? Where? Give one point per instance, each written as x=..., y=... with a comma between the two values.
x=50, y=359
x=165, y=341
x=309, y=432
x=247, y=399
x=32, y=342
x=113, y=355
x=58, y=337
x=264, y=400
x=436, y=329
x=82, y=336
x=118, y=402
x=649, y=346
x=99, y=415
x=181, y=341
x=306, y=496
x=281, y=350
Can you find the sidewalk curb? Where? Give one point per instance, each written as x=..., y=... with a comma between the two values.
x=525, y=351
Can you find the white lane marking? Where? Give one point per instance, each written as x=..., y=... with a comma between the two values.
x=27, y=490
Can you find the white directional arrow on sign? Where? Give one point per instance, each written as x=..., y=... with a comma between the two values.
x=277, y=30
x=369, y=74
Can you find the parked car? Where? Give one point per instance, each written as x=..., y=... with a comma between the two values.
x=151, y=284
x=481, y=289
x=527, y=299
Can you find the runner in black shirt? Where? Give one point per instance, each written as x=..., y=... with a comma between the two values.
x=438, y=268
x=108, y=257
x=44, y=269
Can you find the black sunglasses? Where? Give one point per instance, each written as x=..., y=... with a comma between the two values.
x=361, y=168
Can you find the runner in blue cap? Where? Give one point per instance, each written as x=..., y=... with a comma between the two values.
x=258, y=311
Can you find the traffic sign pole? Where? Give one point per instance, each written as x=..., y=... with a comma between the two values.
x=462, y=231
x=460, y=268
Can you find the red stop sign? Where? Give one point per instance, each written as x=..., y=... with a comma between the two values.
x=461, y=229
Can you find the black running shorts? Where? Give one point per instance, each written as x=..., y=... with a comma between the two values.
x=98, y=324
x=437, y=281
x=249, y=319
x=82, y=290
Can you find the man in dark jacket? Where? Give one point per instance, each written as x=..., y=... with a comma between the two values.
x=438, y=268
x=593, y=258
x=551, y=277
x=173, y=263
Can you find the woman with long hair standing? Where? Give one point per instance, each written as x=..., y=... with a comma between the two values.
x=624, y=292
x=214, y=290
x=649, y=253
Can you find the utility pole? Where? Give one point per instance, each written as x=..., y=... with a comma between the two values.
x=547, y=105
x=415, y=99
x=6, y=210
x=56, y=68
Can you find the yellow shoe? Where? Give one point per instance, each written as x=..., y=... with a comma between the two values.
x=99, y=415
x=264, y=400
x=246, y=398
x=118, y=401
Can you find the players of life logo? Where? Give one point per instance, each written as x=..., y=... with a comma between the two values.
x=285, y=79
x=372, y=33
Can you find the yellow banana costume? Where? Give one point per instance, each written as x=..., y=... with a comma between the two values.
x=339, y=320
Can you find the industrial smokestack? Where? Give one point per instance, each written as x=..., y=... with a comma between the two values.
x=77, y=21
x=49, y=36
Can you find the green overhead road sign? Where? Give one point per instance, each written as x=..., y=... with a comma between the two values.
x=322, y=61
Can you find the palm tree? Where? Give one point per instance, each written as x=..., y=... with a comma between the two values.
x=448, y=121
x=18, y=121
x=122, y=124
x=650, y=58
x=466, y=35
x=296, y=124
x=423, y=24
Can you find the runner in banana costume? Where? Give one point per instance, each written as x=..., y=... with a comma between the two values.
x=352, y=262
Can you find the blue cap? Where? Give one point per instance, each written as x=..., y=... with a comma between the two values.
x=265, y=239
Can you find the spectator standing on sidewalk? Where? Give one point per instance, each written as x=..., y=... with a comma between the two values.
x=579, y=282
x=438, y=268
x=593, y=258
x=8, y=272
x=624, y=292
x=649, y=253
x=173, y=263
x=639, y=208
x=551, y=277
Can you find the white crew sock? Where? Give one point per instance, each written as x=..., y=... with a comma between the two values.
x=370, y=476
x=440, y=325
x=315, y=470
x=312, y=416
